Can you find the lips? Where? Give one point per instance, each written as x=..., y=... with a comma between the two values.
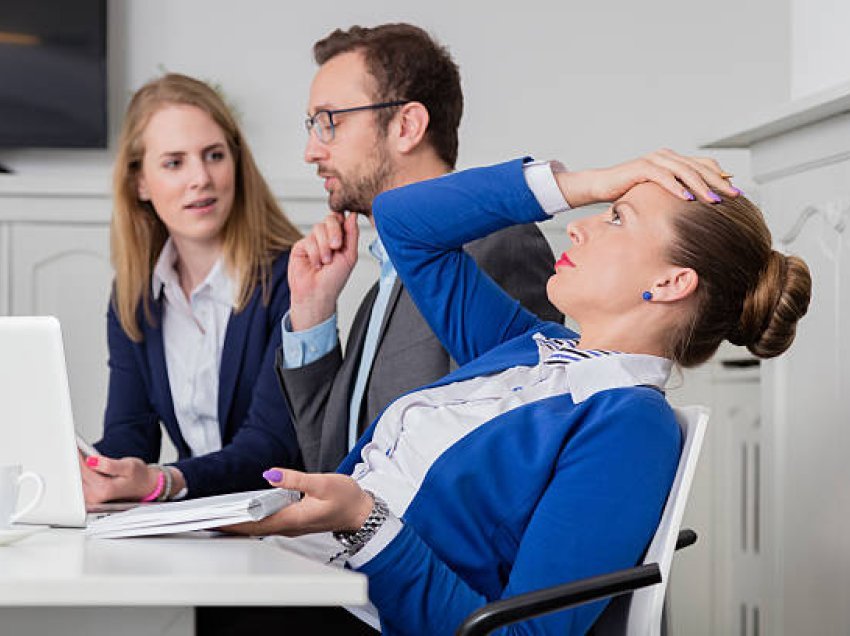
x=329, y=178
x=564, y=261
x=201, y=204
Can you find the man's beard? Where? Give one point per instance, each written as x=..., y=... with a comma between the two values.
x=357, y=193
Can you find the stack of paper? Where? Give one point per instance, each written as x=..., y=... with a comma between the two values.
x=193, y=514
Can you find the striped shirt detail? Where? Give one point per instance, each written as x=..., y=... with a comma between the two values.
x=564, y=351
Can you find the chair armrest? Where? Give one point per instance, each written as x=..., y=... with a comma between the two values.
x=687, y=537
x=558, y=597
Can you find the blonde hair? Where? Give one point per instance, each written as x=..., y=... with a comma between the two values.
x=256, y=230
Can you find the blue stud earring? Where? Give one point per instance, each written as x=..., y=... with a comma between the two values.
x=647, y=295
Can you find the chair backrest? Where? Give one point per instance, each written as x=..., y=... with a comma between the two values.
x=645, y=609
x=640, y=613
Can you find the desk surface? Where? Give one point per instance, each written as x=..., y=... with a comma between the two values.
x=62, y=567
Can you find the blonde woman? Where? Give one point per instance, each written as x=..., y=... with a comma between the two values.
x=200, y=251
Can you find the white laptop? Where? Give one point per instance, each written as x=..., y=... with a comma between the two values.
x=36, y=423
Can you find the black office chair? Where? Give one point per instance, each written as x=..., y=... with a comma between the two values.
x=638, y=609
x=614, y=620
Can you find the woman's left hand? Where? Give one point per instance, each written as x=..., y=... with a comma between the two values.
x=684, y=177
x=331, y=502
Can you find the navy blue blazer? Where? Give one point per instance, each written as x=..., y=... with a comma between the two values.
x=256, y=430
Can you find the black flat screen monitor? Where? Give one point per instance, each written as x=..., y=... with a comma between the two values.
x=53, y=73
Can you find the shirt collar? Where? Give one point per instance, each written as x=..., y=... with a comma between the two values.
x=376, y=248
x=612, y=371
x=164, y=273
x=218, y=282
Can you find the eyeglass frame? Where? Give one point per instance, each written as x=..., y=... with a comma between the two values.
x=310, y=122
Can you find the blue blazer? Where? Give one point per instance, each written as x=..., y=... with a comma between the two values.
x=256, y=431
x=546, y=493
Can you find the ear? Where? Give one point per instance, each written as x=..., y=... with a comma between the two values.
x=677, y=284
x=412, y=122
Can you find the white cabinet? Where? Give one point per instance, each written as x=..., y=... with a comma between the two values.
x=54, y=259
x=801, y=160
x=64, y=271
x=709, y=591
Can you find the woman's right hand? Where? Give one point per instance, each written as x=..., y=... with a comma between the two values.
x=331, y=502
x=126, y=479
x=682, y=176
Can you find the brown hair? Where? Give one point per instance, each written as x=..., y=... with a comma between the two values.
x=255, y=232
x=407, y=64
x=748, y=293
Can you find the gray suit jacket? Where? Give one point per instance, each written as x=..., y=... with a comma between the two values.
x=409, y=355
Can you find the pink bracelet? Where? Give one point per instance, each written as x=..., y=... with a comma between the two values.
x=156, y=492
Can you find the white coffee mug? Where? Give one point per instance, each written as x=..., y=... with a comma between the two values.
x=11, y=478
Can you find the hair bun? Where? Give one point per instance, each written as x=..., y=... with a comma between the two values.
x=769, y=317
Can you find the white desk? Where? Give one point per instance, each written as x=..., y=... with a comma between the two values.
x=61, y=582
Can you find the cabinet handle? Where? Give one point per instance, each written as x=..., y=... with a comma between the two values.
x=756, y=498
x=744, y=477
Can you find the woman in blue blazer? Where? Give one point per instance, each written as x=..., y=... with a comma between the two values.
x=200, y=250
x=547, y=456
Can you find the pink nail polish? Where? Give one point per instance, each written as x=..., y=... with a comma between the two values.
x=92, y=462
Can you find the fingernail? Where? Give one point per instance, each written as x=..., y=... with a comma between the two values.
x=92, y=462
x=741, y=192
x=688, y=195
x=273, y=475
x=713, y=196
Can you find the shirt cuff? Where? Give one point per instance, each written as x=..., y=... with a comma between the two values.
x=300, y=348
x=381, y=539
x=181, y=494
x=540, y=177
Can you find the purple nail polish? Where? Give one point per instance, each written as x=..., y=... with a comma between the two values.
x=273, y=475
x=688, y=195
x=713, y=196
x=741, y=192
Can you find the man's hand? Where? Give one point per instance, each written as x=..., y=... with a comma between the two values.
x=127, y=479
x=319, y=267
x=684, y=177
x=331, y=502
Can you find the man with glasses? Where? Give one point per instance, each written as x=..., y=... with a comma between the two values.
x=384, y=110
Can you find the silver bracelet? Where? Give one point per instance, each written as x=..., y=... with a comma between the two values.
x=169, y=482
x=353, y=542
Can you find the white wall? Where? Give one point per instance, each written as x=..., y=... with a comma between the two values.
x=820, y=46
x=590, y=83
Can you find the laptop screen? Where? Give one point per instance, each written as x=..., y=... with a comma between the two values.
x=36, y=423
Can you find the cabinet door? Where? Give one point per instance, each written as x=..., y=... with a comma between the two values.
x=64, y=271
x=714, y=585
x=807, y=412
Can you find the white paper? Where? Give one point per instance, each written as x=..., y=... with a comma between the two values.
x=193, y=514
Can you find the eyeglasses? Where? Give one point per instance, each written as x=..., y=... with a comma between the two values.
x=322, y=123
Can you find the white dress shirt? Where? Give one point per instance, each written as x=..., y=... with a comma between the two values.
x=193, y=333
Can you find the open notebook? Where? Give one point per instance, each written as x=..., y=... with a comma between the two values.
x=193, y=514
